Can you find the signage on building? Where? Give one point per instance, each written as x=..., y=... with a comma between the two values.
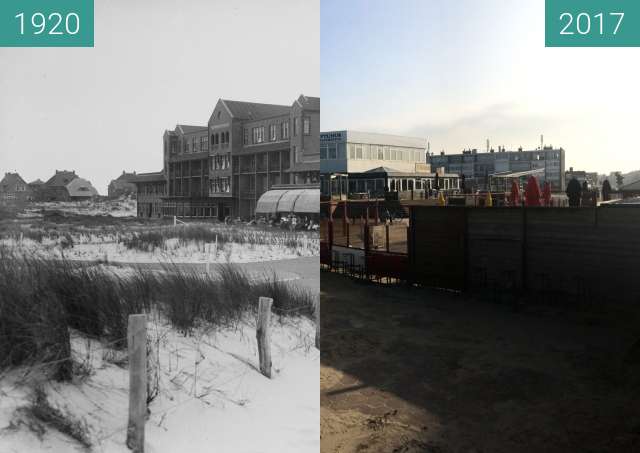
x=333, y=136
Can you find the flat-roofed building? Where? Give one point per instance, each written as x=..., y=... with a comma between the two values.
x=372, y=163
x=478, y=167
x=356, y=152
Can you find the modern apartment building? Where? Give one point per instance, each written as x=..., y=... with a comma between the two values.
x=477, y=167
x=221, y=169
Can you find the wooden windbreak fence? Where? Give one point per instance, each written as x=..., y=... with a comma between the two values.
x=572, y=254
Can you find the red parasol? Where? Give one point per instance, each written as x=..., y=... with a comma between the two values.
x=546, y=193
x=515, y=193
x=532, y=192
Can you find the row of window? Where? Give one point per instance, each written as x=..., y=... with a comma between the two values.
x=196, y=144
x=221, y=162
x=490, y=157
x=220, y=138
x=221, y=185
x=258, y=133
x=258, y=136
x=358, y=151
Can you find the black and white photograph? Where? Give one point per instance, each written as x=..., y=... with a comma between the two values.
x=159, y=232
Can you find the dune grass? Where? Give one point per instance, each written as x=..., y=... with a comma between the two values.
x=41, y=299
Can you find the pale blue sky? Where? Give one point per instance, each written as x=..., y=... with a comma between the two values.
x=459, y=72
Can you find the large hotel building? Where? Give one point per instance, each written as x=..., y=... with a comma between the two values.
x=221, y=169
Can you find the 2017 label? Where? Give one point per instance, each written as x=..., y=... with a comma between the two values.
x=592, y=23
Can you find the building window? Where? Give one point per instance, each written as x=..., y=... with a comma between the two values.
x=185, y=146
x=306, y=126
x=342, y=151
x=352, y=151
x=295, y=127
x=226, y=137
x=258, y=134
x=333, y=151
x=297, y=153
x=284, y=130
x=272, y=132
x=193, y=144
x=323, y=152
x=246, y=136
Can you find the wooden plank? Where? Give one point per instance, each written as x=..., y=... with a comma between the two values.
x=263, y=335
x=137, y=348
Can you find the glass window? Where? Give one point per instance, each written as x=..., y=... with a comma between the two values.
x=306, y=126
x=359, y=152
x=367, y=152
x=380, y=153
x=284, y=130
x=352, y=151
x=332, y=151
x=341, y=151
x=323, y=152
x=386, y=153
x=393, y=154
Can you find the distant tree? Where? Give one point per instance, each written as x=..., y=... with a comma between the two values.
x=606, y=190
x=619, y=179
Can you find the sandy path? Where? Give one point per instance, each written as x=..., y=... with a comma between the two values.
x=412, y=370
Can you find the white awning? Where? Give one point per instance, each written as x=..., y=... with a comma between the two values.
x=299, y=201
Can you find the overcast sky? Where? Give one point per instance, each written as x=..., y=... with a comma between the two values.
x=459, y=72
x=155, y=63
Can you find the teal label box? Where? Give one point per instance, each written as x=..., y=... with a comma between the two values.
x=46, y=23
x=592, y=23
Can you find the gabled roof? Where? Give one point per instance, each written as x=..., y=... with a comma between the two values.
x=254, y=110
x=61, y=178
x=128, y=177
x=37, y=182
x=632, y=186
x=81, y=188
x=10, y=180
x=309, y=102
x=186, y=129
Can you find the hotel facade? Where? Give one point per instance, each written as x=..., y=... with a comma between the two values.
x=222, y=168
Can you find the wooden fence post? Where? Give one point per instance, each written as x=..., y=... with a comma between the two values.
x=317, y=316
x=263, y=335
x=137, y=346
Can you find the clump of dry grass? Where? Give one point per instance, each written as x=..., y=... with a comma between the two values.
x=151, y=239
x=43, y=411
x=41, y=299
